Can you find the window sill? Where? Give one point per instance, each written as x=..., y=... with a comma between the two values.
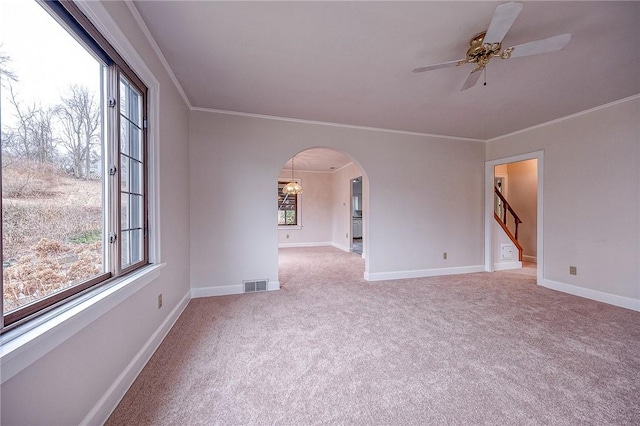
x=288, y=227
x=26, y=344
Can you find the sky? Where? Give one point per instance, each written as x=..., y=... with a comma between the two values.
x=44, y=56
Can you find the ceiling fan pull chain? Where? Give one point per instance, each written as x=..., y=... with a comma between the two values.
x=485, y=76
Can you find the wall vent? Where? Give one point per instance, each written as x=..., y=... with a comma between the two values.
x=255, y=285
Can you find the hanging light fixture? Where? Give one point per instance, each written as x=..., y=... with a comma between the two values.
x=293, y=187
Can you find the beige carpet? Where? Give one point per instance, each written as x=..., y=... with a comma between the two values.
x=331, y=348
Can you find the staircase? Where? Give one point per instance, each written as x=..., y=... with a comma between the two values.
x=502, y=220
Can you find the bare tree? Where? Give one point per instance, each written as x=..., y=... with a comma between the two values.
x=18, y=138
x=31, y=138
x=43, y=139
x=79, y=115
x=5, y=72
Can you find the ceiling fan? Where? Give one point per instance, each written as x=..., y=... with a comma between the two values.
x=488, y=44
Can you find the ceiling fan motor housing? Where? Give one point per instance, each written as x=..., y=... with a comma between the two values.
x=480, y=53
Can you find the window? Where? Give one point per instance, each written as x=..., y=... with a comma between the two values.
x=74, y=159
x=287, y=207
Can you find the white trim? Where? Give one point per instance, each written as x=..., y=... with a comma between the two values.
x=419, y=273
x=506, y=266
x=600, y=296
x=273, y=285
x=488, y=208
x=289, y=245
x=26, y=348
x=288, y=227
x=145, y=30
x=340, y=246
x=112, y=397
x=327, y=123
x=531, y=259
x=567, y=117
x=227, y=290
x=216, y=291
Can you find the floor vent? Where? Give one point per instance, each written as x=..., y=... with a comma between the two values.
x=253, y=286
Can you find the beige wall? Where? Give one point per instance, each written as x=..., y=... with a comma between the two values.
x=325, y=204
x=315, y=210
x=523, y=193
x=425, y=196
x=591, y=199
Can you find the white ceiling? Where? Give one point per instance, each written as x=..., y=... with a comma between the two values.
x=351, y=62
x=318, y=160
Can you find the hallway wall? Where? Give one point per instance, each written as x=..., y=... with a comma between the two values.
x=523, y=194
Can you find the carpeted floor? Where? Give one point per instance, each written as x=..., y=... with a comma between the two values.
x=331, y=348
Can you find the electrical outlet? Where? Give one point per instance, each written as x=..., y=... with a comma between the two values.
x=287, y=236
x=160, y=301
x=573, y=270
x=444, y=255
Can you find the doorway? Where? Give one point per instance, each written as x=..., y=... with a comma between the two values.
x=519, y=179
x=326, y=207
x=356, y=215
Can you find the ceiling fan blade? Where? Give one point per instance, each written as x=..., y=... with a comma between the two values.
x=437, y=66
x=503, y=18
x=550, y=44
x=471, y=80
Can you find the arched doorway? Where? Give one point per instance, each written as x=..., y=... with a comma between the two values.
x=323, y=214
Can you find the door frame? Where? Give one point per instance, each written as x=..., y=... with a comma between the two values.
x=488, y=209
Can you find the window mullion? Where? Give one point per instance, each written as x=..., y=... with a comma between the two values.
x=112, y=150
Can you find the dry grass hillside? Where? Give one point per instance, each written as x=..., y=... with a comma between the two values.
x=51, y=231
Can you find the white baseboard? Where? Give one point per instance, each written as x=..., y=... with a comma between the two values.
x=110, y=400
x=227, y=290
x=532, y=259
x=419, y=273
x=600, y=296
x=505, y=266
x=341, y=247
x=321, y=244
x=289, y=245
x=273, y=285
x=216, y=291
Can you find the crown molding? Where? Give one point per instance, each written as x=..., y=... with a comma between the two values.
x=567, y=117
x=330, y=124
x=145, y=30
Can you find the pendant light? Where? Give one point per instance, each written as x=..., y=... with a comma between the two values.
x=293, y=187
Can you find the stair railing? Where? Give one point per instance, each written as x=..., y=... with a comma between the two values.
x=503, y=221
x=507, y=207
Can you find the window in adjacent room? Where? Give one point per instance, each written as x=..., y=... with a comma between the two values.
x=74, y=159
x=287, y=207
